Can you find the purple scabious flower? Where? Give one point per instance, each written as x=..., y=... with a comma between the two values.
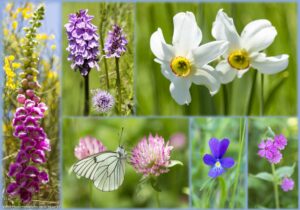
x=216, y=159
x=34, y=144
x=115, y=44
x=88, y=146
x=270, y=148
x=287, y=184
x=83, y=42
x=151, y=156
x=102, y=100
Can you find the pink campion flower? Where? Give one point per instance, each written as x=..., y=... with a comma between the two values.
x=280, y=141
x=287, y=184
x=268, y=150
x=88, y=146
x=151, y=156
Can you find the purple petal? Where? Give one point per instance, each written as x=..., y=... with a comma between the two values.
x=31, y=171
x=14, y=169
x=13, y=189
x=38, y=156
x=223, y=147
x=43, y=177
x=227, y=162
x=214, y=147
x=25, y=195
x=215, y=172
x=209, y=160
x=33, y=187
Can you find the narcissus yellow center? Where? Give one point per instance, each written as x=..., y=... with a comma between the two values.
x=218, y=164
x=239, y=59
x=180, y=66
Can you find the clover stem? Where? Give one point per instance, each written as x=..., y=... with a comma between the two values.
x=275, y=187
x=118, y=83
x=251, y=93
x=225, y=100
x=157, y=199
x=261, y=94
x=86, y=95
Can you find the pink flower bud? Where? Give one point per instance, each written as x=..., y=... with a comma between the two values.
x=30, y=93
x=21, y=98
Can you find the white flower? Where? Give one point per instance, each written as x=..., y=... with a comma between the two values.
x=245, y=51
x=185, y=62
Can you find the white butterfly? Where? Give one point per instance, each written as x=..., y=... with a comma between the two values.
x=106, y=169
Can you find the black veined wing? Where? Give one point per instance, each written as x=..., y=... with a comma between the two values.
x=106, y=169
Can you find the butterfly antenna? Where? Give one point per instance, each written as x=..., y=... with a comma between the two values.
x=121, y=134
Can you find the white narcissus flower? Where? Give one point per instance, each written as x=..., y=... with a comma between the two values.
x=245, y=51
x=185, y=62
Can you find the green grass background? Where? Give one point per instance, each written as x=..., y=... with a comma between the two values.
x=77, y=192
x=153, y=95
x=210, y=196
x=261, y=194
x=72, y=82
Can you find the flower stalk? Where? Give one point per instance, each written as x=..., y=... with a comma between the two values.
x=275, y=186
x=261, y=94
x=86, y=109
x=118, y=84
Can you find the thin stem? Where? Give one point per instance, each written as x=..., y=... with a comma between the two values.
x=157, y=199
x=223, y=196
x=225, y=100
x=241, y=149
x=91, y=194
x=275, y=187
x=261, y=94
x=118, y=84
x=86, y=95
x=249, y=106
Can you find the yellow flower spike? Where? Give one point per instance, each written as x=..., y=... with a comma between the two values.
x=16, y=65
x=15, y=25
x=11, y=58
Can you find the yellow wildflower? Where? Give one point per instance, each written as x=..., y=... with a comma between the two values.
x=10, y=74
x=16, y=65
x=42, y=36
x=53, y=47
x=11, y=58
x=15, y=25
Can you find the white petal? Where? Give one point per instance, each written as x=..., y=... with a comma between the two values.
x=226, y=72
x=270, y=65
x=208, y=77
x=258, y=35
x=180, y=91
x=167, y=72
x=187, y=35
x=240, y=73
x=224, y=29
x=209, y=52
x=160, y=49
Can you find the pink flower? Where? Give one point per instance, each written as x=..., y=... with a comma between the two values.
x=268, y=150
x=280, y=141
x=88, y=146
x=178, y=140
x=151, y=156
x=287, y=184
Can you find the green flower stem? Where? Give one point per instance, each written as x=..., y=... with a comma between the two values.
x=275, y=187
x=225, y=100
x=91, y=194
x=249, y=106
x=223, y=195
x=86, y=96
x=261, y=94
x=241, y=149
x=118, y=84
x=157, y=199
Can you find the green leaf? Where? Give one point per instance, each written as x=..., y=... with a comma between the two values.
x=265, y=176
x=174, y=163
x=285, y=171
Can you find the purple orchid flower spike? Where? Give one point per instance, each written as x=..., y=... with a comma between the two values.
x=216, y=159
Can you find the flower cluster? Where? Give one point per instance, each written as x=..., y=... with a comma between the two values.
x=151, y=156
x=115, y=44
x=186, y=62
x=88, y=146
x=83, y=42
x=287, y=184
x=8, y=68
x=27, y=175
x=102, y=100
x=216, y=159
x=271, y=148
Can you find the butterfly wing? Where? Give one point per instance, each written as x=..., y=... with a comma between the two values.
x=110, y=175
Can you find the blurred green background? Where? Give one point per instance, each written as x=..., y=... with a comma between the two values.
x=153, y=95
x=260, y=192
x=207, y=192
x=174, y=185
x=105, y=14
